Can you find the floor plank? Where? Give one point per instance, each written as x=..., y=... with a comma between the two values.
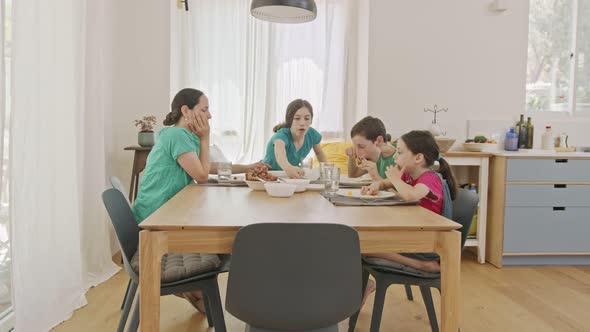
x=523, y=299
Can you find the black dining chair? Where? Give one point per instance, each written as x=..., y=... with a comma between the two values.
x=387, y=273
x=180, y=272
x=294, y=277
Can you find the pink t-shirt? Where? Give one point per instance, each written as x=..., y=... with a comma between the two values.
x=434, y=200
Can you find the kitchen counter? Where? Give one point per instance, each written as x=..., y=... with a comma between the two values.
x=525, y=153
x=541, y=153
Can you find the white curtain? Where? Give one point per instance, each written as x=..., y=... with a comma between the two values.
x=59, y=231
x=251, y=69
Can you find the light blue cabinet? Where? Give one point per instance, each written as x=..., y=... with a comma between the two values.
x=546, y=211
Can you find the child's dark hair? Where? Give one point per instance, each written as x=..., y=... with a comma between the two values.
x=422, y=141
x=292, y=108
x=370, y=128
x=189, y=97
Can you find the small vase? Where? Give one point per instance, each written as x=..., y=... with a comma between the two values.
x=146, y=138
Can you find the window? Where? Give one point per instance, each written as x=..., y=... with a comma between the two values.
x=251, y=69
x=558, y=66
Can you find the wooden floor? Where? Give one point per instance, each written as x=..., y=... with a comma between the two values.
x=520, y=299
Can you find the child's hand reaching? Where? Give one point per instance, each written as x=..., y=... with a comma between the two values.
x=294, y=172
x=395, y=172
x=372, y=189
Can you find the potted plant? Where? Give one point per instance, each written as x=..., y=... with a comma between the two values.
x=146, y=137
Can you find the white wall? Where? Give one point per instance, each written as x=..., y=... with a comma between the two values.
x=141, y=74
x=458, y=54
x=455, y=53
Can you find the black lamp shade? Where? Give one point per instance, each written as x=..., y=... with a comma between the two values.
x=284, y=11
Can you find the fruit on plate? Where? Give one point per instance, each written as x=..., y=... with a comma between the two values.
x=480, y=139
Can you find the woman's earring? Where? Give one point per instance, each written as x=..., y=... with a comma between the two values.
x=185, y=119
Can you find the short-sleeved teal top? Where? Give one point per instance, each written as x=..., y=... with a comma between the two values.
x=312, y=137
x=382, y=164
x=163, y=176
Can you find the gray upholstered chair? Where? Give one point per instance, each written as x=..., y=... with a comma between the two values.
x=116, y=183
x=294, y=277
x=180, y=272
x=388, y=273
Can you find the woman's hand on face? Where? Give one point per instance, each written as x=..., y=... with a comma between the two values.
x=200, y=123
x=394, y=172
x=372, y=189
x=295, y=172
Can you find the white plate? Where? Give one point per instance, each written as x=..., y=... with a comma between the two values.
x=356, y=193
x=345, y=180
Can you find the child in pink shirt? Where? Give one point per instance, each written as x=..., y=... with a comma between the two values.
x=414, y=180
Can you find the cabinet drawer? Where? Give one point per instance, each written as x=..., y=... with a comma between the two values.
x=543, y=229
x=548, y=170
x=547, y=195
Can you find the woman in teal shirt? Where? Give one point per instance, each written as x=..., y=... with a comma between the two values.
x=180, y=155
x=293, y=140
x=371, y=153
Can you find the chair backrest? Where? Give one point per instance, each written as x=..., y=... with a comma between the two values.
x=124, y=223
x=116, y=183
x=294, y=276
x=464, y=207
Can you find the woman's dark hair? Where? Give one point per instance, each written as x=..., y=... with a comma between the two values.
x=370, y=128
x=292, y=108
x=189, y=97
x=422, y=141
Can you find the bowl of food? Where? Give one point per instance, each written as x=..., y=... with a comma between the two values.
x=473, y=147
x=260, y=174
x=312, y=173
x=256, y=185
x=280, y=189
x=479, y=143
x=444, y=143
x=301, y=184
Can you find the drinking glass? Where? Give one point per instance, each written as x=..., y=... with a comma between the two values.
x=332, y=182
x=224, y=172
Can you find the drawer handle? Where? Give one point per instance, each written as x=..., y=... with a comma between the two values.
x=560, y=186
x=561, y=161
x=559, y=208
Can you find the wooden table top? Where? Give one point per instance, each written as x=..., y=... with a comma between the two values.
x=227, y=208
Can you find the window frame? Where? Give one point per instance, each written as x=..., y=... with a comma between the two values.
x=571, y=108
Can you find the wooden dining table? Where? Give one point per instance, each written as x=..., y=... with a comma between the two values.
x=201, y=219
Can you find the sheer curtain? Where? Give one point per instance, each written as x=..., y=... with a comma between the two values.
x=59, y=232
x=251, y=69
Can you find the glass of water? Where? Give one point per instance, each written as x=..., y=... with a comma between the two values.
x=332, y=182
x=224, y=172
x=326, y=165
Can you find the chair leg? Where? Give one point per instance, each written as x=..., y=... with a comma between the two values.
x=129, y=295
x=207, y=310
x=126, y=294
x=215, y=307
x=409, y=294
x=378, y=305
x=427, y=297
x=134, y=324
x=352, y=320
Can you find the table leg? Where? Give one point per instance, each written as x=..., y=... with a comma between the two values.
x=152, y=246
x=449, y=249
x=483, y=210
